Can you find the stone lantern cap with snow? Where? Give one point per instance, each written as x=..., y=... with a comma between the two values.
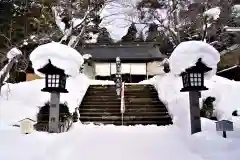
x=193, y=77
x=55, y=78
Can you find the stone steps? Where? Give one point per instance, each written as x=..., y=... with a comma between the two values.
x=112, y=110
x=126, y=106
x=117, y=100
x=125, y=114
x=130, y=123
x=140, y=102
x=142, y=106
x=126, y=118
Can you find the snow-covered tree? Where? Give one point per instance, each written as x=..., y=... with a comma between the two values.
x=104, y=36
x=131, y=35
x=22, y=19
x=78, y=20
x=183, y=20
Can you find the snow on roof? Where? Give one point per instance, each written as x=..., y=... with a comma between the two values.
x=187, y=53
x=61, y=56
x=230, y=68
x=213, y=13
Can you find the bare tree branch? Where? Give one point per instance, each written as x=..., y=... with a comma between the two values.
x=9, y=41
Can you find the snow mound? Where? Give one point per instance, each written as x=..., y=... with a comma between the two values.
x=61, y=56
x=187, y=53
x=213, y=13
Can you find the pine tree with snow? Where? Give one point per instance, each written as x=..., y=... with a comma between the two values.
x=152, y=32
x=192, y=20
x=21, y=19
x=84, y=19
x=131, y=34
x=104, y=36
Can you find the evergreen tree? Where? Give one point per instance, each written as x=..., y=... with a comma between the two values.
x=165, y=44
x=131, y=34
x=22, y=19
x=43, y=114
x=104, y=36
x=152, y=32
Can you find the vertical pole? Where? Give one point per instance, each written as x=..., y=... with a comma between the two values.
x=147, y=70
x=54, y=113
x=195, y=111
x=122, y=119
x=110, y=64
x=224, y=134
x=122, y=102
x=130, y=74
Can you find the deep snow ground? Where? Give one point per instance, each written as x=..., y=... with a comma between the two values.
x=89, y=142
x=107, y=142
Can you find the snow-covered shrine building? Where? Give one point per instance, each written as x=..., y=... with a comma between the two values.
x=140, y=61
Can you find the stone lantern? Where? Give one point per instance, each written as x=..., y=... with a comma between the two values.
x=55, y=83
x=193, y=82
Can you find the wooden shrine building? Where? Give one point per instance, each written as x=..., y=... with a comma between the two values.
x=140, y=61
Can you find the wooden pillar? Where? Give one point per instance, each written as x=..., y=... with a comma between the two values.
x=147, y=70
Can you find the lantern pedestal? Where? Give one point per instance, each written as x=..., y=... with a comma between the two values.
x=54, y=112
x=195, y=111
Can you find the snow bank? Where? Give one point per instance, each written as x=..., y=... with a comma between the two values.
x=187, y=53
x=225, y=91
x=21, y=100
x=62, y=56
x=213, y=147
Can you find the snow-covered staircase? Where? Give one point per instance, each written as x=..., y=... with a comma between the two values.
x=101, y=105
